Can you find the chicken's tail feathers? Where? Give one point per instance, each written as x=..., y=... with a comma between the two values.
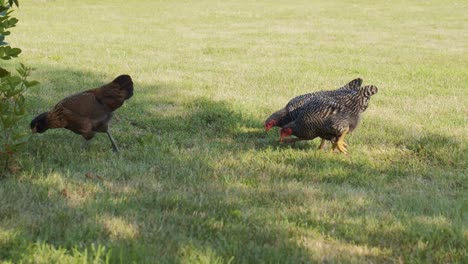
x=352, y=85
x=126, y=83
x=369, y=90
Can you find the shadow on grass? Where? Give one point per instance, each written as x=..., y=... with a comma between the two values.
x=175, y=209
x=198, y=180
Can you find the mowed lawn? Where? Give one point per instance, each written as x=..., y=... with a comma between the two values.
x=198, y=180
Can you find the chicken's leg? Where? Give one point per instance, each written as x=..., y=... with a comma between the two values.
x=344, y=143
x=114, y=146
x=322, y=144
x=340, y=144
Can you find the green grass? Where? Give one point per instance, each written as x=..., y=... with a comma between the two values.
x=198, y=180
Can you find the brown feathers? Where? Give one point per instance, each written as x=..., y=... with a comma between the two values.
x=87, y=112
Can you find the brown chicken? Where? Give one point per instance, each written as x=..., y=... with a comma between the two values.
x=87, y=112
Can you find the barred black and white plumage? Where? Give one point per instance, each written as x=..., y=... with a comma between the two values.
x=292, y=109
x=330, y=118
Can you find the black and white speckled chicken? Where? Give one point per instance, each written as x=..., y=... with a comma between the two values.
x=292, y=109
x=329, y=118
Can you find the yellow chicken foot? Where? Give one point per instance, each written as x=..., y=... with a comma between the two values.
x=340, y=144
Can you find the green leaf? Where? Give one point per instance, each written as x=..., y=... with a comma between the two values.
x=11, y=22
x=31, y=83
x=6, y=52
x=13, y=81
x=12, y=92
x=21, y=70
x=11, y=2
x=3, y=8
x=14, y=52
x=3, y=72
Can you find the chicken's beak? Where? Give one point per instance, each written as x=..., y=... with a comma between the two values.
x=34, y=130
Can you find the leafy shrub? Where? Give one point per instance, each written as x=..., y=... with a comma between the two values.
x=12, y=89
